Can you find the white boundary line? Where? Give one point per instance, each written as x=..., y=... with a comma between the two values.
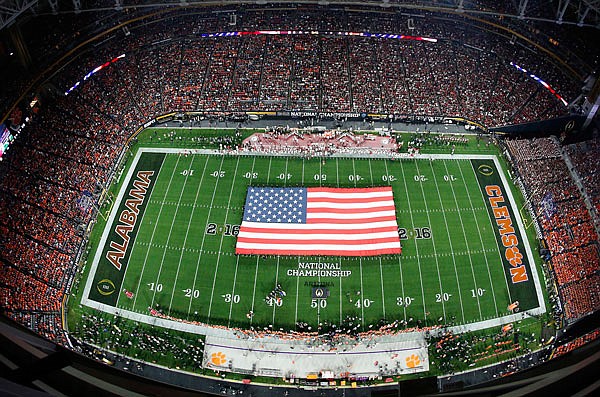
x=209, y=330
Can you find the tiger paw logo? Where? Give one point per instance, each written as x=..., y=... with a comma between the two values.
x=218, y=358
x=413, y=361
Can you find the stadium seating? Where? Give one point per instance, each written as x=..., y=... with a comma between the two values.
x=566, y=223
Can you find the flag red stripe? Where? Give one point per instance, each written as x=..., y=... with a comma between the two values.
x=248, y=229
x=350, y=190
x=248, y=251
x=348, y=210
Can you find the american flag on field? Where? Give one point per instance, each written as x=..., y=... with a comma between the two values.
x=319, y=221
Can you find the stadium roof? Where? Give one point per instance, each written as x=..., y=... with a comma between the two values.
x=573, y=12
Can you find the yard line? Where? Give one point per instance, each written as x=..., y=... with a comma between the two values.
x=399, y=256
x=412, y=221
x=362, y=309
x=380, y=266
x=466, y=240
x=437, y=265
x=340, y=259
x=254, y=288
x=276, y=280
x=237, y=261
x=298, y=277
x=481, y=238
x=382, y=293
x=204, y=237
x=297, y=289
x=319, y=306
x=153, y=232
x=162, y=260
x=277, y=271
x=269, y=171
x=136, y=241
x=186, y=233
x=337, y=183
x=212, y=293
x=450, y=242
x=360, y=299
x=320, y=173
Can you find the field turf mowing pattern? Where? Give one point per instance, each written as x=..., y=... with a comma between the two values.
x=455, y=276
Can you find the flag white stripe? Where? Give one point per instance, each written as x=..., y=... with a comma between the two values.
x=323, y=226
x=357, y=216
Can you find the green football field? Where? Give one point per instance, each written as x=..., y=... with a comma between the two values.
x=178, y=255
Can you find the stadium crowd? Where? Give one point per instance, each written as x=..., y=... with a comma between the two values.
x=460, y=75
x=575, y=343
x=565, y=221
x=70, y=150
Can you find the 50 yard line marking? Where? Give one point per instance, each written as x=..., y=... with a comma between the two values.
x=153, y=232
x=298, y=277
x=204, y=238
x=437, y=188
x=212, y=293
x=186, y=233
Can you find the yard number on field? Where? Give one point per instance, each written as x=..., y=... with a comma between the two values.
x=443, y=297
x=229, y=298
x=404, y=301
x=364, y=303
x=477, y=292
x=191, y=293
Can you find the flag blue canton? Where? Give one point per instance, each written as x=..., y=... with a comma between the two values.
x=275, y=205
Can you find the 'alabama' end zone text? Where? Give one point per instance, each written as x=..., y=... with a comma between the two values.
x=128, y=218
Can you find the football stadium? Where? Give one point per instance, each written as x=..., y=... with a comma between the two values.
x=327, y=198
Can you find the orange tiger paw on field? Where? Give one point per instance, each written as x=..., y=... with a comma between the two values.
x=218, y=358
x=413, y=361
